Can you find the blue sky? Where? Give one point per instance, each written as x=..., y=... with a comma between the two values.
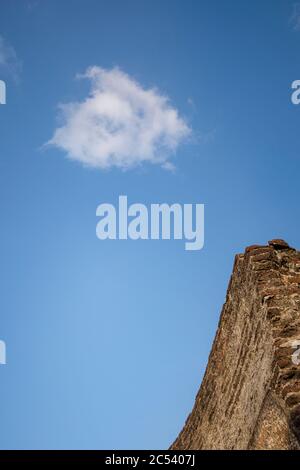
x=107, y=342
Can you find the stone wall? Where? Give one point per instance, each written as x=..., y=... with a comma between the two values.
x=250, y=394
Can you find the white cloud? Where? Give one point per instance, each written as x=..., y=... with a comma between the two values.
x=120, y=124
x=9, y=61
x=295, y=18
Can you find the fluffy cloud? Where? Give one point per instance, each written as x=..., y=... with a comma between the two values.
x=295, y=18
x=120, y=124
x=8, y=59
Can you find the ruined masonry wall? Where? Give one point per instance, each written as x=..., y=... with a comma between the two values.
x=250, y=394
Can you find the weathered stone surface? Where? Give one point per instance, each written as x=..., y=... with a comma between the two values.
x=250, y=394
x=278, y=244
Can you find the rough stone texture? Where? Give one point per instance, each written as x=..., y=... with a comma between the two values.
x=250, y=394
